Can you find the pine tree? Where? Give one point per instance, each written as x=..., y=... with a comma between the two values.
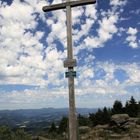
x=117, y=107
x=63, y=126
x=100, y=117
x=83, y=121
x=53, y=128
x=106, y=115
x=139, y=109
x=132, y=107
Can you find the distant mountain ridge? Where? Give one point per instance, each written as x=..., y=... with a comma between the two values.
x=18, y=117
x=34, y=112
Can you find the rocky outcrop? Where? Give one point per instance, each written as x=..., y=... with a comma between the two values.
x=84, y=129
x=119, y=119
x=122, y=128
x=124, y=121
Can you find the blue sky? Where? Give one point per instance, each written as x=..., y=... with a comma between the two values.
x=106, y=44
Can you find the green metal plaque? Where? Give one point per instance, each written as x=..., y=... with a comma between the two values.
x=70, y=74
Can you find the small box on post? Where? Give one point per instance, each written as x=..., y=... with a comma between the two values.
x=69, y=63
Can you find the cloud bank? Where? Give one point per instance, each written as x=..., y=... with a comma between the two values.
x=33, y=47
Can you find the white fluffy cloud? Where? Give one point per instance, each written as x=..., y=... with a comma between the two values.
x=104, y=33
x=104, y=86
x=107, y=25
x=21, y=59
x=118, y=2
x=132, y=37
x=107, y=84
x=36, y=98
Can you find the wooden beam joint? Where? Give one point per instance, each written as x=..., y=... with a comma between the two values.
x=69, y=3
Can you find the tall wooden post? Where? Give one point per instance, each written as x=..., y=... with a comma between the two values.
x=72, y=110
x=70, y=63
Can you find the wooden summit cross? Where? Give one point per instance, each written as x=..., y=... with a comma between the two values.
x=70, y=63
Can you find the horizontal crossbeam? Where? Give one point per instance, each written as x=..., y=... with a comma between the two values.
x=69, y=3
